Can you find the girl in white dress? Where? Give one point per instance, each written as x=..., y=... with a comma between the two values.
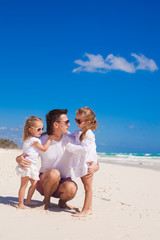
x=84, y=154
x=31, y=146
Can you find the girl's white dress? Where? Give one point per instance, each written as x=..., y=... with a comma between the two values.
x=33, y=153
x=83, y=152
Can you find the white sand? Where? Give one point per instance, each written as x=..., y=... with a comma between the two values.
x=126, y=205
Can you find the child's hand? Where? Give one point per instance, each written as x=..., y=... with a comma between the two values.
x=66, y=145
x=93, y=168
x=51, y=137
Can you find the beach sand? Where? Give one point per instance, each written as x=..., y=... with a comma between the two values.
x=126, y=205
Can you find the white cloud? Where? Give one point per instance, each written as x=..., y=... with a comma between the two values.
x=14, y=129
x=3, y=128
x=145, y=63
x=119, y=63
x=132, y=127
x=3, y=136
x=96, y=63
x=102, y=144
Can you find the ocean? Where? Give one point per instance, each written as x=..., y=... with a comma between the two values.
x=135, y=159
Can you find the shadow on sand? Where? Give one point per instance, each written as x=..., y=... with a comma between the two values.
x=9, y=200
x=13, y=201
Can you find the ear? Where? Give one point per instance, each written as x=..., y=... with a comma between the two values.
x=55, y=125
x=29, y=129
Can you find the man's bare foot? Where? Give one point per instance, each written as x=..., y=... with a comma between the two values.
x=22, y=206
x=44, y=206
x=30, y=203
x=63, y=204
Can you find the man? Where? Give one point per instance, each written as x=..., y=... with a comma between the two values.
x=55, y=174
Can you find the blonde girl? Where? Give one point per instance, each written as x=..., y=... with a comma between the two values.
x=31, y=145
x=84, y=154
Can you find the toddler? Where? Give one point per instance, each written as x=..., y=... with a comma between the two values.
x=31, y=146
x=84, y=154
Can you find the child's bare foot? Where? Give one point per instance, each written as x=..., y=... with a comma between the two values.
x=22, y=206
x=82, y=214
x=30, y=203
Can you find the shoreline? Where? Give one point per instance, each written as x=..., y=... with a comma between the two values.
x=129, y=163
x=151, y=166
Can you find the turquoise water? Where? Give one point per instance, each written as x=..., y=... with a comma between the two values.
x=130, y=158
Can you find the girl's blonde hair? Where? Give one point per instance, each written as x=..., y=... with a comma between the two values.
x=30, y=122
x=88, y=114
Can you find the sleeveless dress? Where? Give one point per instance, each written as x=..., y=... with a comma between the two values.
x=33, y=153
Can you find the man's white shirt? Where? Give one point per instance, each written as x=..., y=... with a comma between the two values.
x=56, y=156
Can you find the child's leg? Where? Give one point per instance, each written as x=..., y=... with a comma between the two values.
x=87, y=207
x=24, y=183
x=30, y=192
x=87, y=181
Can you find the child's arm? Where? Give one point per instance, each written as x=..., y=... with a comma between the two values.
x=42, y=147
x=84, y=147
x=72, y=148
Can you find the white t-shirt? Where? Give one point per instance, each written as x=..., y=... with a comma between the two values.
x=30, y=150
x=83, y=152
x=56, y=156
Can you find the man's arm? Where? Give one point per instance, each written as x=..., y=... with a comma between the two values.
x=22, y=161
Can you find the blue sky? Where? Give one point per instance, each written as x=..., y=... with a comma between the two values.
x=69, y=54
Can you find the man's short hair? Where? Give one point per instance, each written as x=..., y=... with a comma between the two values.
x=54, y=116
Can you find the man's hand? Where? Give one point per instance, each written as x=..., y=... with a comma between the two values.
x=22, y=161
x=94, y=167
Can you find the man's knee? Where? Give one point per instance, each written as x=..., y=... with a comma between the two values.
x=71, y=189
x=52, y=175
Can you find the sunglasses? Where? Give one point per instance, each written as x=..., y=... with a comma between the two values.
x=65, y=122
x=80, y=121
x=38, y=129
